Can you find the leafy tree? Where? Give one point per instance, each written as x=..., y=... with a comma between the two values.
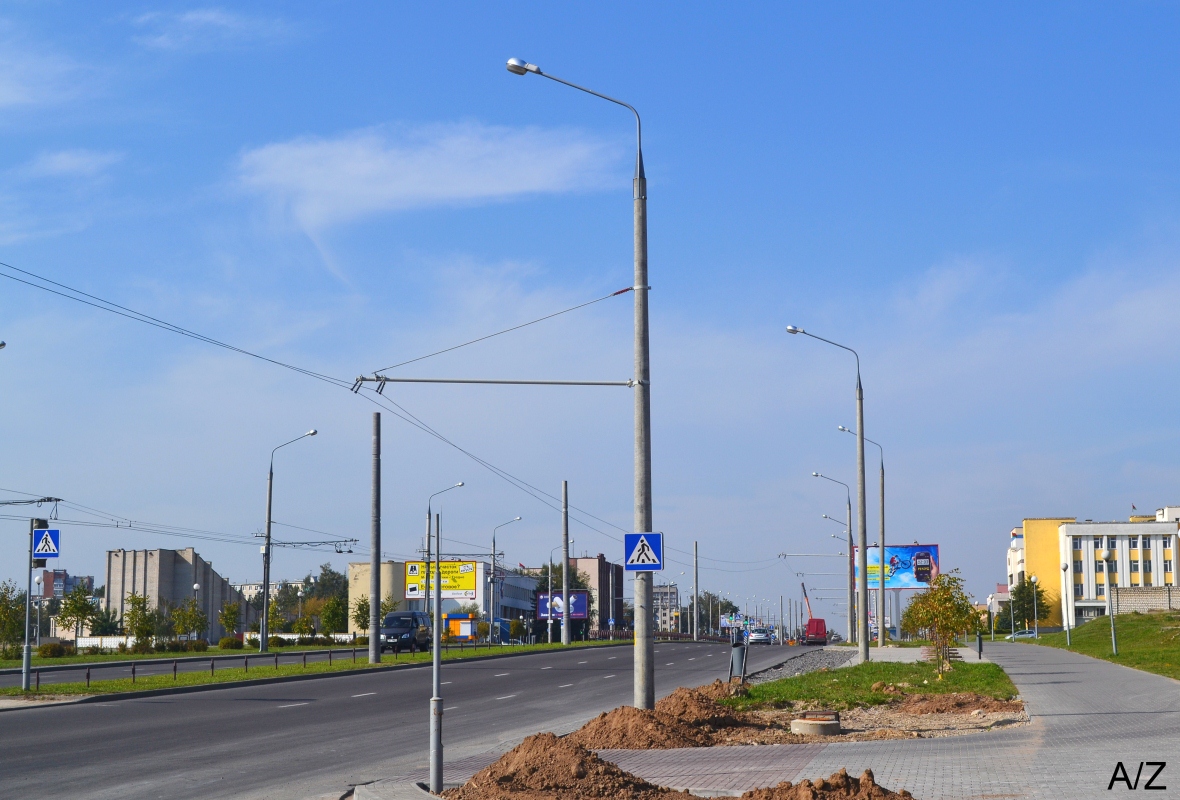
x=470, y=608
x=329, y=584
x=105, y=623
x=1022, y=602
x=389, y=605
x=303, y=626
x=76, y=609
x=334, y=615
x=286, y=597
x=12, y=615
x=188, y=618
x=138, y=619
x=943, y=611
x=360, y=613
x=516, y=629
x=229, y=616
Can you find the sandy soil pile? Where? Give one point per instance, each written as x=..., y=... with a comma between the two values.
x=685, y=718
x=543, y=767
x=838, y=787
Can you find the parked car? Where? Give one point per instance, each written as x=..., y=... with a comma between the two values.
x=1025, y=634
x=406, y=630
x=759, y=636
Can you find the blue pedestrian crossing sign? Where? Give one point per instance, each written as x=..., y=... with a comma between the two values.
x=643, y=552
x=46, y=544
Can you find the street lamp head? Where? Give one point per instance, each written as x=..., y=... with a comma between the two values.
x=842, y=428
x=816, y=475
x=457, y=485
x=1033, y=579
x=37, y=580
x=1065, y=567
x=1104, y=555
x=518, y=66
x=196, y=587
x=516, y=519
x=793, y=329
x=3, y=345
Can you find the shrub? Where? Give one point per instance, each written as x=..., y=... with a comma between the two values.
x=199, y=646
x=51, y=650
x=229, y=643
x=252, y=642
x=142, y=646
x=362, y=641
x=171, y=646
x=276, y=641
x=122, y=647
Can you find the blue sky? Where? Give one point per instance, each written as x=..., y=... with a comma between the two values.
x=982, y=201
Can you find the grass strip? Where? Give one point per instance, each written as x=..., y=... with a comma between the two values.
x=1148, y=642
x=262, y=666
x=851, y=687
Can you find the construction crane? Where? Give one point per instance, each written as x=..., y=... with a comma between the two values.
x=807, y=601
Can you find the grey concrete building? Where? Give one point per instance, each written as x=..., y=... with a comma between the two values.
x=166, y=577
x=598, y=571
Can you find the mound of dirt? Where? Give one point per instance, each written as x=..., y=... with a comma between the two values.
x=699, y=707
x=629, y=728
x=955, y=703
x=838, y=787
x=544, y=767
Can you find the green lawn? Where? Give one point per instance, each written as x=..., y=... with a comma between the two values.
x=260, y=668
x=8, y=663
x=852, y=687
x=1150, y=642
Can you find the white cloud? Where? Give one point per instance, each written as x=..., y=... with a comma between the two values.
x=32, y=76
x=79, y=163
x=206, y=28
x=322, y=182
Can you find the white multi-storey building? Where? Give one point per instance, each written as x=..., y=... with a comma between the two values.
x=1141, y=555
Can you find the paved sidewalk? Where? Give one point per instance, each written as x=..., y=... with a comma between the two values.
x=1087, y=715
x=909, y=655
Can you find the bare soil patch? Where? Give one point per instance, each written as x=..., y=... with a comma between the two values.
x=841, y=785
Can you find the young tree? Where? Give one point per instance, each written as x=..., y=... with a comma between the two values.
x=360, y=613
x=389, y=605
x=189, y=619
x=303, y=626
x=943, y=611
x=105, y=623
x=76, y=609
x=229, y=616
x=329, y=584
x=138, y=618
x=334, y=615
x=1023, y=606
x=12, y=615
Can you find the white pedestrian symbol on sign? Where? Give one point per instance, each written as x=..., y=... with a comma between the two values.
x=46, y=546
x=643, y=554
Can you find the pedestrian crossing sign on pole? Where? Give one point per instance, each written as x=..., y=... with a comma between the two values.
x=47, y=544
x=643, y=552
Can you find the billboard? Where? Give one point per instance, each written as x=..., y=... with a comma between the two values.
x=907, y=566
x=579, y=604
x=458, y=580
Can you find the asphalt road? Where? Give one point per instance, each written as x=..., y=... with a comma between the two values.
x=317, y=738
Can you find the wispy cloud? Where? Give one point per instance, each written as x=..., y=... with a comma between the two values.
x=322, y=182
x=32, y=76
x=207, y=28
x=78, y=163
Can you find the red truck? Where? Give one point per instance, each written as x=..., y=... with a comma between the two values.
x=817, y=632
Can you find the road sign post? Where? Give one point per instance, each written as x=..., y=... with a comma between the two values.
x=643, y=553
x=51, y=543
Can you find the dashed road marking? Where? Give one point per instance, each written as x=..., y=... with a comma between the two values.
x=292, y=705
x=604, y=677
x=450, y=708
x=608, y=658
x=499, y=674
x=366, y=694
x=506, y=697
x=444, y=683
x=583, y=662
x=546, y=667
x=565, y=685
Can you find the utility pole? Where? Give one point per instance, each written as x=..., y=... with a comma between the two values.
x=782, y=623
x=375, y=546
x=436, y=701
x=696, y=597
x=565, y=563
x=27, y=655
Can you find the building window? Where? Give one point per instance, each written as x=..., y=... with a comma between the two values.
x=1100, y=590
x=1077, y=543
x=1132, y=542
x=1077, y=590
x=1146, y=566
x=1146, y=543
x=1098, y=542
x=1134, y=566
x=1167, y=567
x=1112, y=542
x=1077, y=568
x=1098, y=566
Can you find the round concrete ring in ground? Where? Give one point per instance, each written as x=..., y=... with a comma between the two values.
x=816, y=727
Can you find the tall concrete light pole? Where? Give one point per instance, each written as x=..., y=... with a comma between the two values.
x=375, y=547
x=882, y=631
x=645, y=690
x=1105, y=556
x=565, y=563
x=851, y=567
x=862, y=583
x=264, y=627
x=492, y=602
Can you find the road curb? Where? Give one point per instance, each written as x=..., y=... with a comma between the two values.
x=148, y=662
x=208, y=687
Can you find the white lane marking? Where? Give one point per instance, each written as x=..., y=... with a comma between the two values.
x=583, y=662
x=604, y=677
x=444, y=683
x=546, y=667
x=565, y=685
x=670, y=663
x=506, y=697
x=608, y=658
x=366, y=694
x=694, y=659
x=293, y=705
x=450, y=708
x=499, y=674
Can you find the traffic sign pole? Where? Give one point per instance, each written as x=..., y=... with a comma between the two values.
x=27, y=654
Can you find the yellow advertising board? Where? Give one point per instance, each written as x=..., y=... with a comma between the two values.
x=458, y=579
